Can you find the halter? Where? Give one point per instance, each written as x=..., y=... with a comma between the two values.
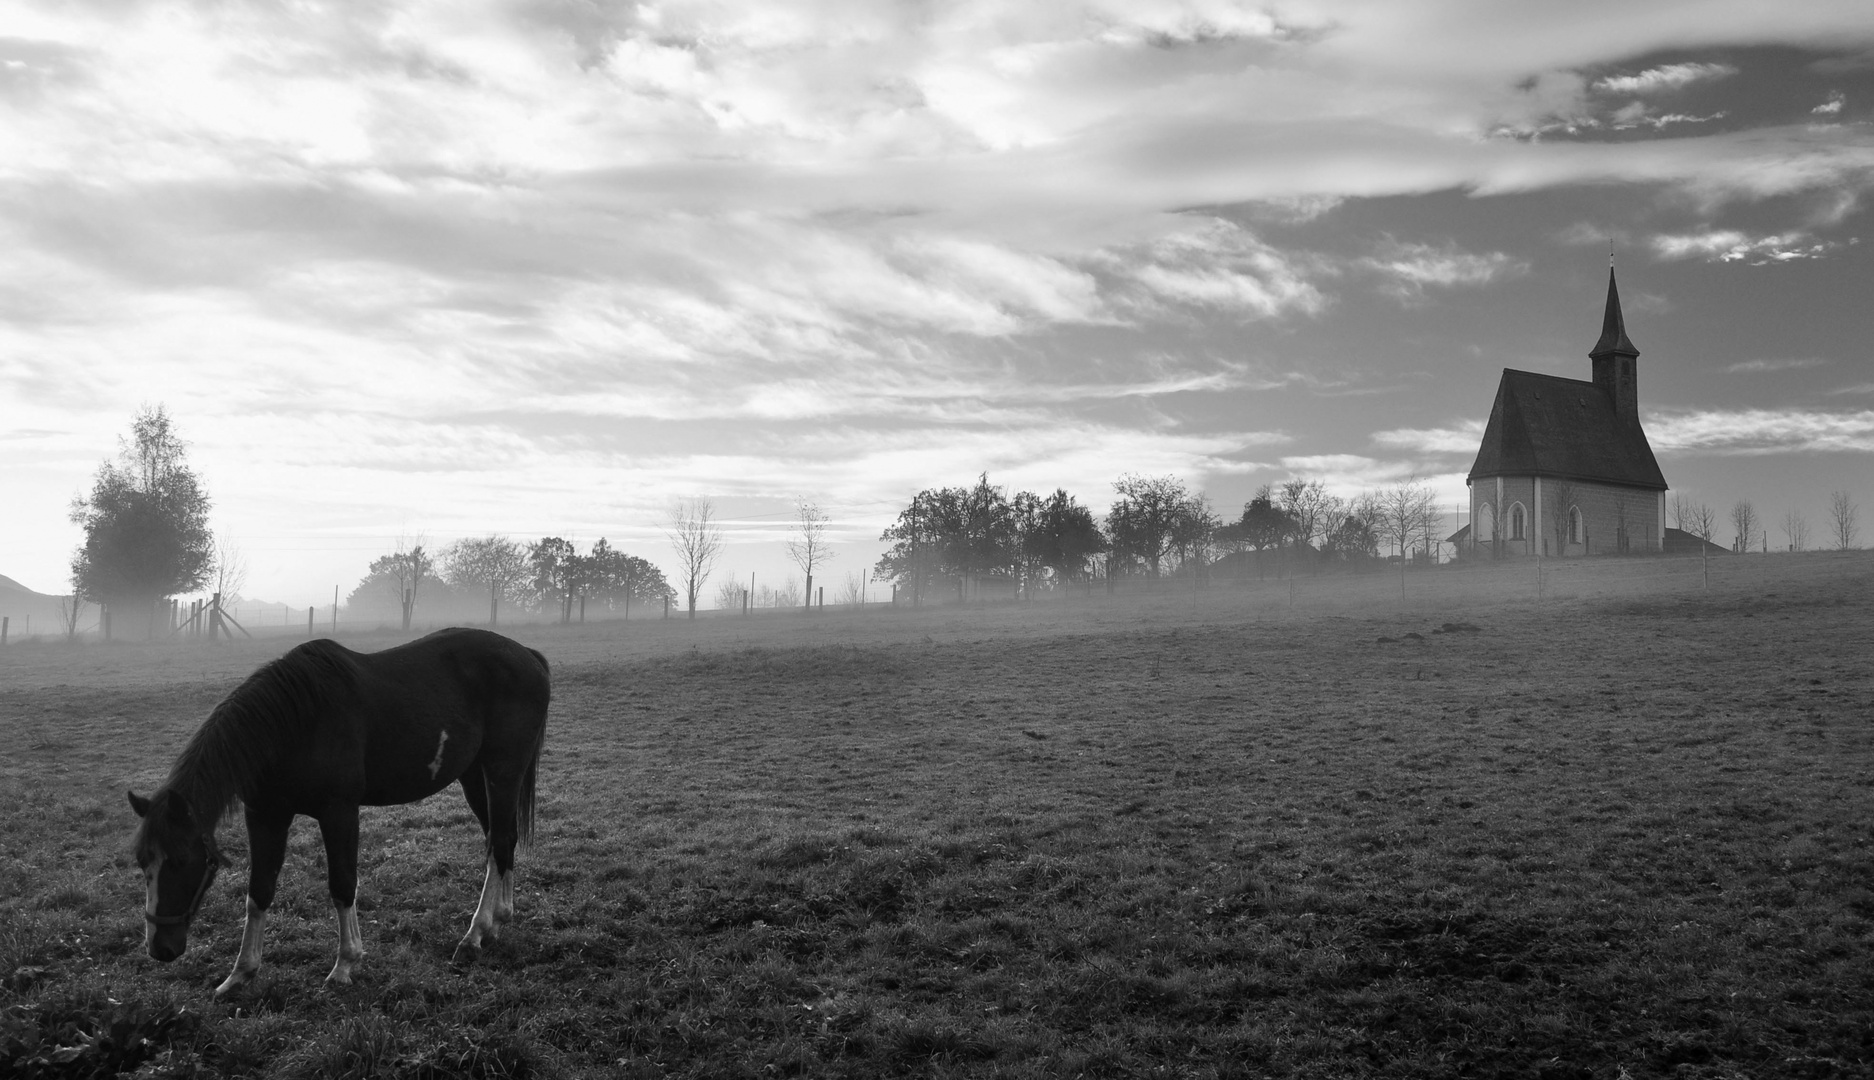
x=201, y=893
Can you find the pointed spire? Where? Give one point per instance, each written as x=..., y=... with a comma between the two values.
x=1613, y=326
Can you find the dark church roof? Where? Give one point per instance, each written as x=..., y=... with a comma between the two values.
x=1545, y=425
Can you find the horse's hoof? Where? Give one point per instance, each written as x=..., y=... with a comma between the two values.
x=231, y=986
x=465, y=955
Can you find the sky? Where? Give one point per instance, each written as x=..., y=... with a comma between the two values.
x=546, y=267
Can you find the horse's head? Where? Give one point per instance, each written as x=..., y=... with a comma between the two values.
x=179, y=860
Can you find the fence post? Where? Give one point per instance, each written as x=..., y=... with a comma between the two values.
x=308, y=620
x=822, y=602
x=4, y=623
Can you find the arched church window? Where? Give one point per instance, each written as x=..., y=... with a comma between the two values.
x=1516, y=522
x=1574, y=524
x=1486, y=523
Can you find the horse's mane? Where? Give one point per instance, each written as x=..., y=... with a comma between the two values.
x=264, y=718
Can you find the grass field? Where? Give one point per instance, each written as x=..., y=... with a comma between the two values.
x=1623, y=831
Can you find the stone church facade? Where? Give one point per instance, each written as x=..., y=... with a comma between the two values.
x=1564, y=467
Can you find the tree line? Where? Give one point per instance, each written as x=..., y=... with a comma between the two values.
x=547, y=575
x=950, y=540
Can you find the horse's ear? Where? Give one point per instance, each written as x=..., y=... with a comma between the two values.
x=179, y=810
x=138, y=803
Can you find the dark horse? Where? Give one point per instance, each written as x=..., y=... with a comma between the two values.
x=322, y=731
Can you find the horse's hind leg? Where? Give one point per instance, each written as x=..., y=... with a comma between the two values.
x=497, y=886
x=339, y=828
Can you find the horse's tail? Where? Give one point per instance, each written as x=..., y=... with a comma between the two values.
x=524, y=799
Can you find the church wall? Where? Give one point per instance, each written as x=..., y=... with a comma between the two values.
x=1605, y=508
x=1602, y=508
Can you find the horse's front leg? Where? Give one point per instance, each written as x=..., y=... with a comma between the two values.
x=266, y=851
x=339, y=828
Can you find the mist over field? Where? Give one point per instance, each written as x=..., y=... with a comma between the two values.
x=1620, y=829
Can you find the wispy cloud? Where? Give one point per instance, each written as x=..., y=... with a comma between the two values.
x=1792, y=363
x=1666, y=77
x=1463, y=438
x=1217, y=265
x=1413, y=267
x=1761, y=431
x=1732, y=245
x=1832, y=106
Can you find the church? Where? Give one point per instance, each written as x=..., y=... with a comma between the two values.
x=1565, y=468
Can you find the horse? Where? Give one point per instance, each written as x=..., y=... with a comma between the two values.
x=322, y=731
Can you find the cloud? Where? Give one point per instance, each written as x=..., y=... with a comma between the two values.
x=1782, y=364
x=1761, y=431
x=1413, y=267
x=1348, y=474
x=1218, y=265
x=1731, y=245
x=1832, y=106
x=1462, y=439
x=1667, y=77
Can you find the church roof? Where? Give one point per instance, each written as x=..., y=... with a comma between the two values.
x=1545, y=425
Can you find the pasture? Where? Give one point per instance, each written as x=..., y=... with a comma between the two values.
x=1620, y=832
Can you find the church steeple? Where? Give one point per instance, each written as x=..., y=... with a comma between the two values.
x=1613, y=325
x=1615, y=358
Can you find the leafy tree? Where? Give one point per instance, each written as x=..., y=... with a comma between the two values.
x=1193, y=533
x=1065, y=536
x=1261, y=527
x=392, y=582
x=145, y=523
x=1142, y=523
x=952, y=536
x=923, y=540
x=986, y=546
x=494, y=563
x=619, y=579
x=558, y=573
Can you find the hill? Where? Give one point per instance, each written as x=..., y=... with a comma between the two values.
x=27, y=612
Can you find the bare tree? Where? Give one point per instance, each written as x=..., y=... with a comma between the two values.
x=698, y=540
x=1698, y=519
x=70, y=608
x=1797, y=529
x=729, y=593
x=230, y=568
x=1564, y=493
x=1841, y=515
x=807, y=547
x=1405, y=514
x=852, y=592
x=1315, y=512
x=1682, y=513
x=1743, y=525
